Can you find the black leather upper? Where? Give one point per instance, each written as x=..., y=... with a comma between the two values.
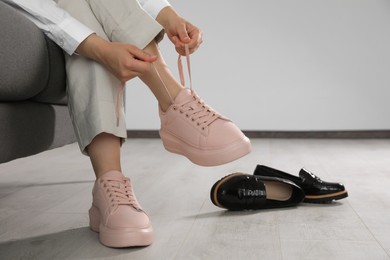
x=310, y=183
x=243, y=191
x=313, y=185
x=240, y=192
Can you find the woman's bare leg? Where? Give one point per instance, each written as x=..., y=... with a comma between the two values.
x=104, y=153
x=153, y=81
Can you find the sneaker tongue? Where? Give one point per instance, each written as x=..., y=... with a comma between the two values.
x=114, y=174
x=183, y=95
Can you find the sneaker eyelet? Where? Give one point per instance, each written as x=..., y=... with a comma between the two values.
x=187, y=115
x=175, y=108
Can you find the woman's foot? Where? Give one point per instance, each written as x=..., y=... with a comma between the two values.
x=191, y=128
x=116, y=213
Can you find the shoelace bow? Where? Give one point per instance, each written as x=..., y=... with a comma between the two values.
x=120, y=192
x=193, y=107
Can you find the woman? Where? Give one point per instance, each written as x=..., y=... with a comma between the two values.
x=108, y=43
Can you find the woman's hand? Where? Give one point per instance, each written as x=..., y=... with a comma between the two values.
x=125, y=61
x=179, y=30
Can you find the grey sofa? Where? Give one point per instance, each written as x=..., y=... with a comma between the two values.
x=33, y=107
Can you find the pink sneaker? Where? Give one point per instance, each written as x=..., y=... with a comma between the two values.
x=116, y=214
x=191, y=128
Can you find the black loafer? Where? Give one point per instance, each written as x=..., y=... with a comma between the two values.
x=316, y=190
x=239, y=191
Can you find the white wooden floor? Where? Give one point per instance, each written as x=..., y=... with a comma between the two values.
x=44, y=201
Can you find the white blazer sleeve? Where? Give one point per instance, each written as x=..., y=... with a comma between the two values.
x=55, y=22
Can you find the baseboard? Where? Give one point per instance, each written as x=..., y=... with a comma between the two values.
x=367, y=134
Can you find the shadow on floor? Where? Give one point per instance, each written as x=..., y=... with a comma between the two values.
x=28, y=185
x=79, y=243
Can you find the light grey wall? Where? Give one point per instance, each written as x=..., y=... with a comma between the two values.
x=285, y=65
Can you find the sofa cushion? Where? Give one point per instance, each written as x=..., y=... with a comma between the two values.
x=28, y=128
x=30, y=63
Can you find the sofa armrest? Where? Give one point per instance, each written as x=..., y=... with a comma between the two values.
x=31, y=64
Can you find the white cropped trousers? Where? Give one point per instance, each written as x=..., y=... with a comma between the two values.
x=92, y=90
